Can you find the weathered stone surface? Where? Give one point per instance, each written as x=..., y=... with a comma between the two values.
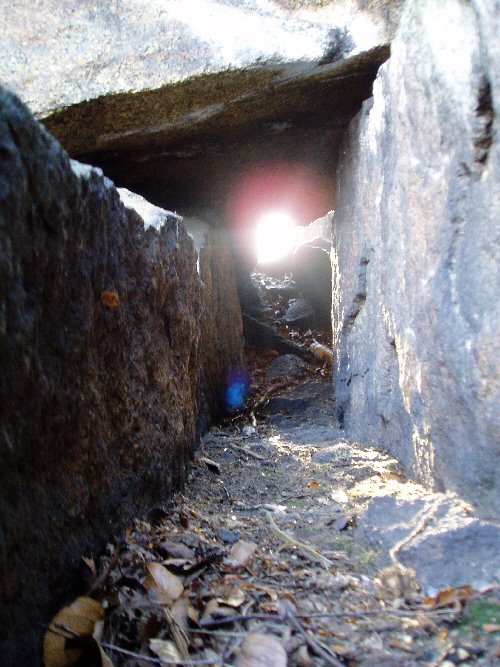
x=176, y=100
x=451, y=549
x=69, y=51
x=417, y=256
x=299, y=313
x=221, y=328
x=338, y=455
x=312, y=271
x=101, y=327
x=286, y=366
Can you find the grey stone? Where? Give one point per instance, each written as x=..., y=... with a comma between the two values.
x=116, y=336
x=338, y=455
x=93, y=49
x=299, y=313
x=417, y=254
x=227, y=536
x=312, y=271
x=175, y=100
x=285, y=366
x=449, y=548
x=303, y=399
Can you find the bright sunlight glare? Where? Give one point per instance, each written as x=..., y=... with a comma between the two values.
x=275, y=235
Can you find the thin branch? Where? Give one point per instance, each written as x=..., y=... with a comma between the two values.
x=245, y=451
x=316, y=646
x=155, y=661
x=216, y=622
x=303, y=549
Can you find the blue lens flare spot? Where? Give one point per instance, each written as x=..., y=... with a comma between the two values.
x=236, y=390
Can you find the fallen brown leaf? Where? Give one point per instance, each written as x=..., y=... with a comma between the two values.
x=77, y=619
x=259, y=650
x=241, y=554
x=491, y=627
x=450, y=597
x=168, y=586
x=165, y=649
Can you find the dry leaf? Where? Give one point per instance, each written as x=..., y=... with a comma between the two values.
x=168, y=587
x=179, y=611
x=214, y=611
x=241, y=554
x=302, y=657
x=165, y=650
x=259, y=650
x=178, y=550
x=233, y=596
x=79, y=618
x=450, y=597
x=491, y=627
x=110, y=299
x=211, y=465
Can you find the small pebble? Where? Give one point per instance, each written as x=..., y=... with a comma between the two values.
x=227, y=536
x=339, y=455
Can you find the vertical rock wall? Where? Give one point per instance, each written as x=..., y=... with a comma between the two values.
x=101, y=318
x=416, y=253
x=221, y=355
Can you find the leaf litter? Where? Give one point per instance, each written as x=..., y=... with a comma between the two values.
x=256, y=565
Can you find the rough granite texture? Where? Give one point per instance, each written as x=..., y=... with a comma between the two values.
x=101, y=324
x=416, y=254
x=62, y=52
x=450, y=544
x=220, y=355
x=175, y=100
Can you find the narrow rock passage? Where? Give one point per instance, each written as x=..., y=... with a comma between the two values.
x=259, y=563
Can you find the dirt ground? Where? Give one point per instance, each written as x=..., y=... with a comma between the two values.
x=258, y=563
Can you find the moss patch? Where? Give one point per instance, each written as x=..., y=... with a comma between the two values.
x=478, y=615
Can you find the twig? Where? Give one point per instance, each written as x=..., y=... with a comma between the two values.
x=58, y=627
x=316, y=646
x=265, y=398
x=424, y=517
x=246, y=451
x=179, y=636
x=156, y=661
x=304, y=549
x=141, y=656
x=216, y=622
x=375, y=612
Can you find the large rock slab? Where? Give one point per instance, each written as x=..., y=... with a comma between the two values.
x=71, y=51
x=175, y=100
x=102, y=317
x=439, y=538
x=417, y=254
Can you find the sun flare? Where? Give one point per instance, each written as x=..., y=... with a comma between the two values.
x=275, y=235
